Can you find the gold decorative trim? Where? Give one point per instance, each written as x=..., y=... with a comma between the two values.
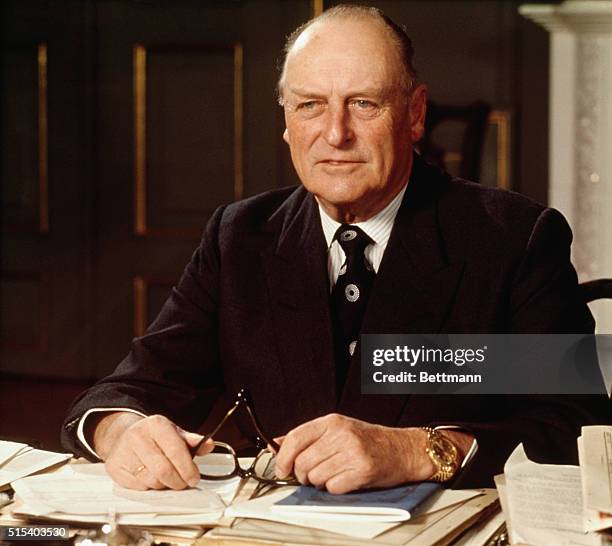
x=452, y=157
x=43, y=141
x=317, y=7
x=140, y=154
x=140, y=305
x=141, y=284
x=238, y=121
x=501, y=120
x=140, y=104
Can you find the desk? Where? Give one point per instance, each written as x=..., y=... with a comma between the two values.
x=439, y=528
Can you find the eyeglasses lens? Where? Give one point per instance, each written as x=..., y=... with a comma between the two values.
x=219, y=463
x=265, y=468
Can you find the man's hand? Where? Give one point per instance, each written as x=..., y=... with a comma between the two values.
x=147, y=452
x=343, y=454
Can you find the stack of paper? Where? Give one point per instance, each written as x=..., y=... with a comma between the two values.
x=595, y=455
x=443, y=519
x=543, y=503
x=19, y=460
x=85, y=493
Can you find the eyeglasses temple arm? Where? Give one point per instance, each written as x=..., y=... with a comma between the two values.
x=244, y=398
x=274, y=445
x=194, y=450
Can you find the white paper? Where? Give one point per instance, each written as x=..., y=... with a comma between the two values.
x=149, y=520
x=459, y=518
x=545, y=503
x=28, y=461
x=500, y=485
x=482, y=532
x=445, y=498
x=596, y=467
x=86, y=490
x=9, y=449
x=593, y=519
x=261, y=508
x=65, y=488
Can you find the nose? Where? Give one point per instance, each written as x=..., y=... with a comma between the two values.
x=338, y=130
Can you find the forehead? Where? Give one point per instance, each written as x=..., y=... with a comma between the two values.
x=344, y=53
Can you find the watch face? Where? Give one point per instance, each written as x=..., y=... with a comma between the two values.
x=443, y=450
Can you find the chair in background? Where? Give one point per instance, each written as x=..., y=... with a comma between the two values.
x=596, y=290
x=473, y=118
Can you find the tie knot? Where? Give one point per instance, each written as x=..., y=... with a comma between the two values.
x=352, y=239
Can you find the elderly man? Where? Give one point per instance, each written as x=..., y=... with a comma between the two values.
x=375, y=241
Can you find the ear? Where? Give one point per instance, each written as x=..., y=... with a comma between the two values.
x=286, y=135
x=418, y=109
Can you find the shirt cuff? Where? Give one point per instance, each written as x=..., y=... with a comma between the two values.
x=473, y=448
x=81, y=425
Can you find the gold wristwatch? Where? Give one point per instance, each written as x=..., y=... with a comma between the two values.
x=443, y=455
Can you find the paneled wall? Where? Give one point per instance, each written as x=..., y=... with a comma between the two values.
x=125, y=123
x=47, y=205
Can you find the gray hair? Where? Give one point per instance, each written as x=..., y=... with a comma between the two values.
x=396, y=32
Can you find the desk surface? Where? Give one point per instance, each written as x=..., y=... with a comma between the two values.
x=438, y=528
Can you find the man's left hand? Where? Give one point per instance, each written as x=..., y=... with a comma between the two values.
x=342, y=454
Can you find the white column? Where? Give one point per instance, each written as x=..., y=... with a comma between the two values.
x=580, y=159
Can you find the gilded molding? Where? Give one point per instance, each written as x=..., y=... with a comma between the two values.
x=43, y=141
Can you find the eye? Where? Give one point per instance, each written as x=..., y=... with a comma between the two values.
x=365, y=108
x=310, y=108
x=308, y=105
x=363, y=104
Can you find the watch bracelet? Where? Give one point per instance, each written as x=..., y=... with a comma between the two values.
x=443, y=471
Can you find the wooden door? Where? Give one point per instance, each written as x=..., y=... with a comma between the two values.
x=195, y=124
x=124, y=125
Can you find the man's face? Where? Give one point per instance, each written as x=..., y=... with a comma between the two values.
x=349, y=123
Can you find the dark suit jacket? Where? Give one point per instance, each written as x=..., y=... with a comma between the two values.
x=251, y=309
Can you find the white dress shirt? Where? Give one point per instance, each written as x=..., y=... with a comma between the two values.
x=378, y=228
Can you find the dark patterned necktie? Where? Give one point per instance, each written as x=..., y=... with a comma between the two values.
x=350, y=297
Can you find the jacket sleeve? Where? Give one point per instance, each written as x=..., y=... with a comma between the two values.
x=174, y=368
x=545, y=299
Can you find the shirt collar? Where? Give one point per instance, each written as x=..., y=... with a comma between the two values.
x=378, y=228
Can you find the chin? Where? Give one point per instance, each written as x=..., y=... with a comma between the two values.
x=340, y=196
x=343, y=190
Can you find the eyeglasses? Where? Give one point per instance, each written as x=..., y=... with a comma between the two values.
x=223, y=463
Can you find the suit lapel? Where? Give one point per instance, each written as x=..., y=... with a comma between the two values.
x=416, y=279
x=413, y=293
x=298, y=285
x=414, y=286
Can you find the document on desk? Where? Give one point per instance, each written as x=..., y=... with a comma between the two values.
x=482, y=532
x=596, y=466
x=262, y=508
x=84, y=492
x=9, y=449
x=386, y=505
x=545, y=503
x=595, y=456
x=19, y=460
x=440, y=526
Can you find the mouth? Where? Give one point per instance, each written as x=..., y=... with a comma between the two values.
x=340, y=162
